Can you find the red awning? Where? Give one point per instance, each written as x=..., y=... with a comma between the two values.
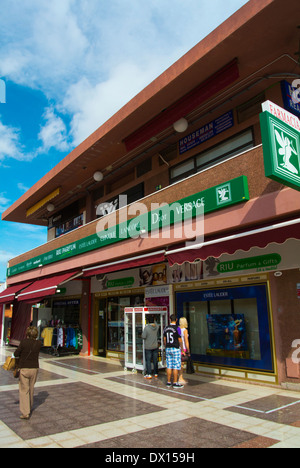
x=278, y=233
x=150, y=259
x=210, y=87
x=8, y=295
x=44, y=287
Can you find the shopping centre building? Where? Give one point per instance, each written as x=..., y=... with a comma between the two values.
x=187, y=198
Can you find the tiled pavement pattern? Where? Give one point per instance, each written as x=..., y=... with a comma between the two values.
x=93, y=403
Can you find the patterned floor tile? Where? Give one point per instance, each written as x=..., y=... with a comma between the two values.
x=193, y=391
x=67, y=407
x=276, y=408
x=189, y=433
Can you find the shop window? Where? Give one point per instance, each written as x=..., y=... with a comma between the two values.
x=115, y=320
x=67, y=311
x=229, y=327
x=225, y=150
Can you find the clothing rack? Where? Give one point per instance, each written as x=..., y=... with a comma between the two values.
x=62, y=339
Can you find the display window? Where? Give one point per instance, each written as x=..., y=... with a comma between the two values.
x=229, y=327
x=66, y=311
x=115, y=320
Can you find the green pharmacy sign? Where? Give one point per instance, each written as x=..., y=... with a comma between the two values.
x=281, y=148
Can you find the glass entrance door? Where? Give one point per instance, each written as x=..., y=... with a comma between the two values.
x=100, y=327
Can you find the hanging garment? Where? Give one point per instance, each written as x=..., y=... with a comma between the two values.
x=54, y=338
x=79, y=339
x=47, y=335
x=71, y=339
x=60, y=337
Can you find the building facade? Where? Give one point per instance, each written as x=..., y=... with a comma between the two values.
x=173, y=202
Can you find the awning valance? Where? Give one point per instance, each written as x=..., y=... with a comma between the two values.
x=8, y=295
x=44, y=287
x=277, y=233
x=126, y=264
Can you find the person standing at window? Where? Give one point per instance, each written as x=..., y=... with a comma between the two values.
x=151, y=347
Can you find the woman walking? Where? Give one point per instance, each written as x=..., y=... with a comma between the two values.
x=28, y=354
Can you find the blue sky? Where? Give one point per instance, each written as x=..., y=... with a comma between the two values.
x=69, y=65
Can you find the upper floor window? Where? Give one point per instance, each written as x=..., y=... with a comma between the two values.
x=225, y=150
x=70, y=225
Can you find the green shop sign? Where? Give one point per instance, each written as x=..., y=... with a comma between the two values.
x=262, y=262
x=120, y=283
x=210, y=200
x=281, y=148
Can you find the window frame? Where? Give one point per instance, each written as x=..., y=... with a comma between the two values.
x=219, y=159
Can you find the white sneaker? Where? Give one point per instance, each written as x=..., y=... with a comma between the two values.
x=178, y=385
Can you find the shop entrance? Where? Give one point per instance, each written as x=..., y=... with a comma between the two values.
x=109, y=323
x=100, y=327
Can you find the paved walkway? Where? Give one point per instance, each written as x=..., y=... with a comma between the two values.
x=92, y=402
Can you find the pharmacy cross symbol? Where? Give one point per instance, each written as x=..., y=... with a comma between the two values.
x=286, y=150
x=223, y=194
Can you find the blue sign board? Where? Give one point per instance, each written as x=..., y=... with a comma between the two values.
x=206, y=132
x=290, y=100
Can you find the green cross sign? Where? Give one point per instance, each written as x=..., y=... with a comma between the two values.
x=281, y=148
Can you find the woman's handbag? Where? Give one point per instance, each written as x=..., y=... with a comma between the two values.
x=10, y=364
x=190, y=366
x=184, y=358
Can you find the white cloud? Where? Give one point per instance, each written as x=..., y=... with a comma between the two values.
x=90, y=57
x=35, y=233
x=54, y=133
x=22, y=187
x=4, y=202
x=24, y=236
x=91, y=105
x=10, y=146
x=5, y=256
x=42, y=43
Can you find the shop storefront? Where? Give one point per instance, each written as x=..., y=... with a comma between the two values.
x=234, y=306
x=230, y=326
x=112, y=294
x=59, y=324
x=109, y=320
x=230, y=301
x=53, y=305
